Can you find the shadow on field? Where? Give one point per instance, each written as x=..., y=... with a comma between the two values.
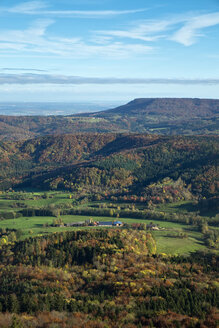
x=189, y=207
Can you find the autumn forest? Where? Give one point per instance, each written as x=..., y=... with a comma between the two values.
x=111, y=228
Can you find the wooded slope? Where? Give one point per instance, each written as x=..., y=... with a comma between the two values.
x=169, y=116
x=111, y=162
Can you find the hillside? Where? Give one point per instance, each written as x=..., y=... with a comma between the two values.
x=158, y=269
x=108, y=163
x=168, y=116
x=104, y=278
x=172, y=107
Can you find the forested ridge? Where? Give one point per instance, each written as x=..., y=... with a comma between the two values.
x=168, y=116
x=111, y=162
x=105, y=278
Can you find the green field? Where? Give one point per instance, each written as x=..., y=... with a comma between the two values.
x=166, y=243
x=167, y=238
x=32, y=200
x=184, y=207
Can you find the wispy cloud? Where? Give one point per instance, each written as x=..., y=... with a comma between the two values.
x=35, y=40
x=29, y=78
x=9, y=69
x=29, y=35
x=184, y=29
x=26, y=7
x=191, y=30
x=146, y=31
x=41, y=8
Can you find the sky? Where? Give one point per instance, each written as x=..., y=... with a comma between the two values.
x=108, y=50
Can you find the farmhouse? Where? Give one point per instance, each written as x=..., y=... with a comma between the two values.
x=105, y=224
x=152, y=226
x=118, y=223
x=110, y=224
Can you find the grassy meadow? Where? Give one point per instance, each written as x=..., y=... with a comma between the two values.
x=167, y=238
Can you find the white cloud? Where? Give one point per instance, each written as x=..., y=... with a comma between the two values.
x=34, y=40
x=146, y=31
x=30, y=78
x=184, y=29
x=27, y=7
x=40, y=8
x=189, y=33
x=27, y=36
x=21, y=69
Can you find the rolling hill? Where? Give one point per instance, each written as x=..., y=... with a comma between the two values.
x=172, y=107
x=110, y=162
x=168, y=116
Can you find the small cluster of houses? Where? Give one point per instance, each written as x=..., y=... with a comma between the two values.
x=90, y=223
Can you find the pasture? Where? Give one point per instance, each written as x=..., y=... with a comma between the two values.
x=171, y=238
x=167, y=239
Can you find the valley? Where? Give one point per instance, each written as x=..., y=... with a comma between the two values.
x=111, y=219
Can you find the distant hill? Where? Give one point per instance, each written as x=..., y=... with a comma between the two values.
x=174, y=108
x=167, y=116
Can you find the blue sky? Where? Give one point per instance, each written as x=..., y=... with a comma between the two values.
x=107, y=50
